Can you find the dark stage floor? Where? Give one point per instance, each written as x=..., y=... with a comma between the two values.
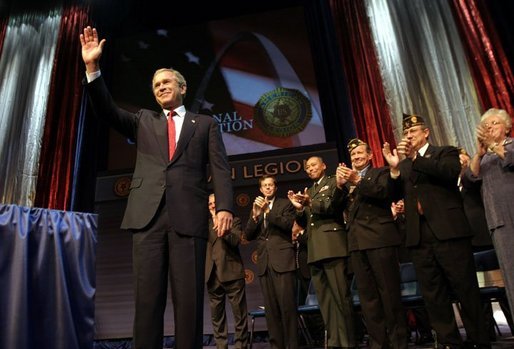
x=504, y=341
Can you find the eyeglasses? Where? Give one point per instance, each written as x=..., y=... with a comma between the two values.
x=268, y=185
x=493, y=123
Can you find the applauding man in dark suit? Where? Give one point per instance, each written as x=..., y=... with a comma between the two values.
x=168, y=195
x=270, y=223
x=437, y=232
x=373, y=241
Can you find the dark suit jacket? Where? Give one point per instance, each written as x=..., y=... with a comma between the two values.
x=224, y=254
x=432, y=179
x=370, y=223
x=474, y=210
x=274, y=246
x=183, y=179
x=326, y=236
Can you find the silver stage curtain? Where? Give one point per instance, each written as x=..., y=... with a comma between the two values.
x=25, y=71
x=424, y=68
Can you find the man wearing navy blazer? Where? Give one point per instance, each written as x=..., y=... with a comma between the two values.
x=168, y=196
x=270, y=223
x=438, y=235
x=373, y=241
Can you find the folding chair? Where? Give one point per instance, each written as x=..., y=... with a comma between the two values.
x=311, y=306
x=308, y=308
x=410, y=291
x=256, y=313
x=486, y=261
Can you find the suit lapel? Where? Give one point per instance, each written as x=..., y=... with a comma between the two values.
x=316, y=191
x=276, y=204
x=187, y=131
x=160, y=126
x=428, y=154
x=354, y=199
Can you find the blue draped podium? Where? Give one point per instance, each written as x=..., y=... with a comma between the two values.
x=47, y=278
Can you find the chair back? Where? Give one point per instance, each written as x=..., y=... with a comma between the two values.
x=354, y=291
x=408, y=280
x=486, y=260
x=311, y=298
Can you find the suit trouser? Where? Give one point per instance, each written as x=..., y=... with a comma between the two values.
x=503, y=239
x=329, y=278
x=159, y=252
x=443, y=266
x=234, y=291
x=378, y=280
x=279, y=291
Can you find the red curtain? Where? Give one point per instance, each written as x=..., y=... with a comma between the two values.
x=3, y=29
x=367, y=96
x=491, y=71
x=57, y=159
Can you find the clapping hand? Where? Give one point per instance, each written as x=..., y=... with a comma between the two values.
x=484, y=139
x=260, y=205
x=345, y=174
x=299, y=200
x=406, y=149
x=391, y=156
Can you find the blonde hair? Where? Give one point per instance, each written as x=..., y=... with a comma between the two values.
x=501, y=113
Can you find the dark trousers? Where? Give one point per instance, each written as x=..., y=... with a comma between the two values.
x=443, y=266
x=329, y=278
x=234, y=291
x=279, y=291
x=378, y=281
x=158, y=252
x=302, y=287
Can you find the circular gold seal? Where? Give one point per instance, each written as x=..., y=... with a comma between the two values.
x=242, y=200
x=121, y=186
x=282, y=112
x=254, y=257
x=249, y=276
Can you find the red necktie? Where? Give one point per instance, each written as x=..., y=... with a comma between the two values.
x=171, y=135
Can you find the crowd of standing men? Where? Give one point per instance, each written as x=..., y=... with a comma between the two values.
x=348, y=226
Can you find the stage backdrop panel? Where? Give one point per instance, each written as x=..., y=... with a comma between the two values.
x=47, y=278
